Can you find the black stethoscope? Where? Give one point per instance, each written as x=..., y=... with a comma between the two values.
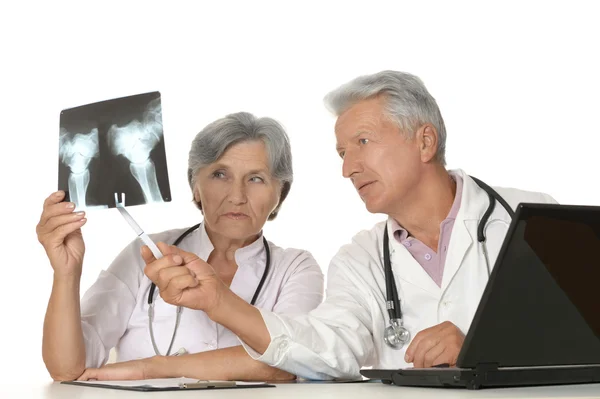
x=396, y=335
x=180, y=309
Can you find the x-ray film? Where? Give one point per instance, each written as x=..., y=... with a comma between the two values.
x=113, y=146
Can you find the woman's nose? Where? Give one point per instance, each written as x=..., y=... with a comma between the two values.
x=237, y=195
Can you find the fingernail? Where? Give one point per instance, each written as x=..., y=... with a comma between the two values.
x=406, y=358
x=80, y=213
x=70, y=205
x=58, y=193
x=177, y=259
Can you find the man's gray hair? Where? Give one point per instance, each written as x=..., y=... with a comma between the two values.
x=408, y=103
x=210, y=144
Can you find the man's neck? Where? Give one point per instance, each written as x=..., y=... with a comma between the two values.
x=428, y=204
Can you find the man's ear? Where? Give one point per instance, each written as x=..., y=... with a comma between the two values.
x=427, y=137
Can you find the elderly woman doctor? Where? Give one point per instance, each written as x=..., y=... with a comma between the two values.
x=240, y=172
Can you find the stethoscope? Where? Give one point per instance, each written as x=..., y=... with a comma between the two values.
x=396, y=335
x=180, y=309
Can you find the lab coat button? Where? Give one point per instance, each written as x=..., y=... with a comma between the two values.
x=283, y=345
x=427, y=256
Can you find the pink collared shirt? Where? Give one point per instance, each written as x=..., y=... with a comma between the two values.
x=432, y=261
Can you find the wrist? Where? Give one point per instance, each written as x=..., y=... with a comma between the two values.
x=225, y=308
x=67, y=278
x=156, y=367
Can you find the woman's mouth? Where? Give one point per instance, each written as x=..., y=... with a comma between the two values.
x=236, y=215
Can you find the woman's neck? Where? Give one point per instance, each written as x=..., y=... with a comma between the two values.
x=225, y=247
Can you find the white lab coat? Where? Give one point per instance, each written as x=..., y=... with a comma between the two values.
x=114, y=311
x=345, y=332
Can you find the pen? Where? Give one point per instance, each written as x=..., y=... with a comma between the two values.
x=208, y=384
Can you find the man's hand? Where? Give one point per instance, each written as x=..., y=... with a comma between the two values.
x=435, y=345
x=183, y=279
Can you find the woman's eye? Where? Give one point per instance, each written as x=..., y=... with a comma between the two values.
x=341, y=154
x=218, y=174
x=363, y=141
x=256, y=179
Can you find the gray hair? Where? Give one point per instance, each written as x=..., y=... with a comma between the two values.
x=408, y=103
x=212, y=141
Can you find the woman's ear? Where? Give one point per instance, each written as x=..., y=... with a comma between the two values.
x=285, y=190
x=196, y=199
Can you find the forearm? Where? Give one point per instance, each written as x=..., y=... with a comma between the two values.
x=63, y=348
x=222, y=364
x=244, y=320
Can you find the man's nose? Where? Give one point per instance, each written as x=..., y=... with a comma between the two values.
x=351, y=164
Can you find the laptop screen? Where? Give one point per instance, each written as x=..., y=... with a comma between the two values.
x=541, y=306
x=568, y=244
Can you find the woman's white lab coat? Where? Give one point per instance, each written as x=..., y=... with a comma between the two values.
x=345, y=332
x=114, y=311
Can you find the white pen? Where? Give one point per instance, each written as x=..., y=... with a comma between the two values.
x=136, y=227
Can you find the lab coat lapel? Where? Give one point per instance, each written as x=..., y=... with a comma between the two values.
x=406, y=269
x=460, y=242
x=474, y=202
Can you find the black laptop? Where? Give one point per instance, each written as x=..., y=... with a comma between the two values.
x=538, y=321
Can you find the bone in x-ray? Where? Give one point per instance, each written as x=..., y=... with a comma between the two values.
x=77, y=151
x=135, y=141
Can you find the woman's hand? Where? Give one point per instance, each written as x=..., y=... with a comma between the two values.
x=59, y=231
x=131, y=370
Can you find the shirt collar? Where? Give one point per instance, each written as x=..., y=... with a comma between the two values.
x=243, y=256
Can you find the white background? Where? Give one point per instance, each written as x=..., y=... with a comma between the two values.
x=517, y=83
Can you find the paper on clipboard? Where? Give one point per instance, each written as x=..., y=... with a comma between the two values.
x=152, y=383
x=169, y=384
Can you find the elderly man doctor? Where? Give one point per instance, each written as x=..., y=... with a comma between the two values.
x=391, y=137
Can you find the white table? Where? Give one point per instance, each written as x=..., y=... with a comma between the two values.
x=313, y=391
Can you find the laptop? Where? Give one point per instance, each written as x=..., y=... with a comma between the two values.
x=538, y=321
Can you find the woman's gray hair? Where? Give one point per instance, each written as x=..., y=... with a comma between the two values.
x=408, y=103
x=210, y=144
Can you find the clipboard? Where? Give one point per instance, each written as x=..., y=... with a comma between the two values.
x=169, y=384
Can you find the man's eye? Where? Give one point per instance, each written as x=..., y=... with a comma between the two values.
x=363, y=141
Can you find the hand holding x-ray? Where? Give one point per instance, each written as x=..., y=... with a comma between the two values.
x=59, y=232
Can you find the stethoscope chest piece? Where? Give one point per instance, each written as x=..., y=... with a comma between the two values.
x=396, y=335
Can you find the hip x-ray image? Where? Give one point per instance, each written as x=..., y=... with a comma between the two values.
x=114, y=146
